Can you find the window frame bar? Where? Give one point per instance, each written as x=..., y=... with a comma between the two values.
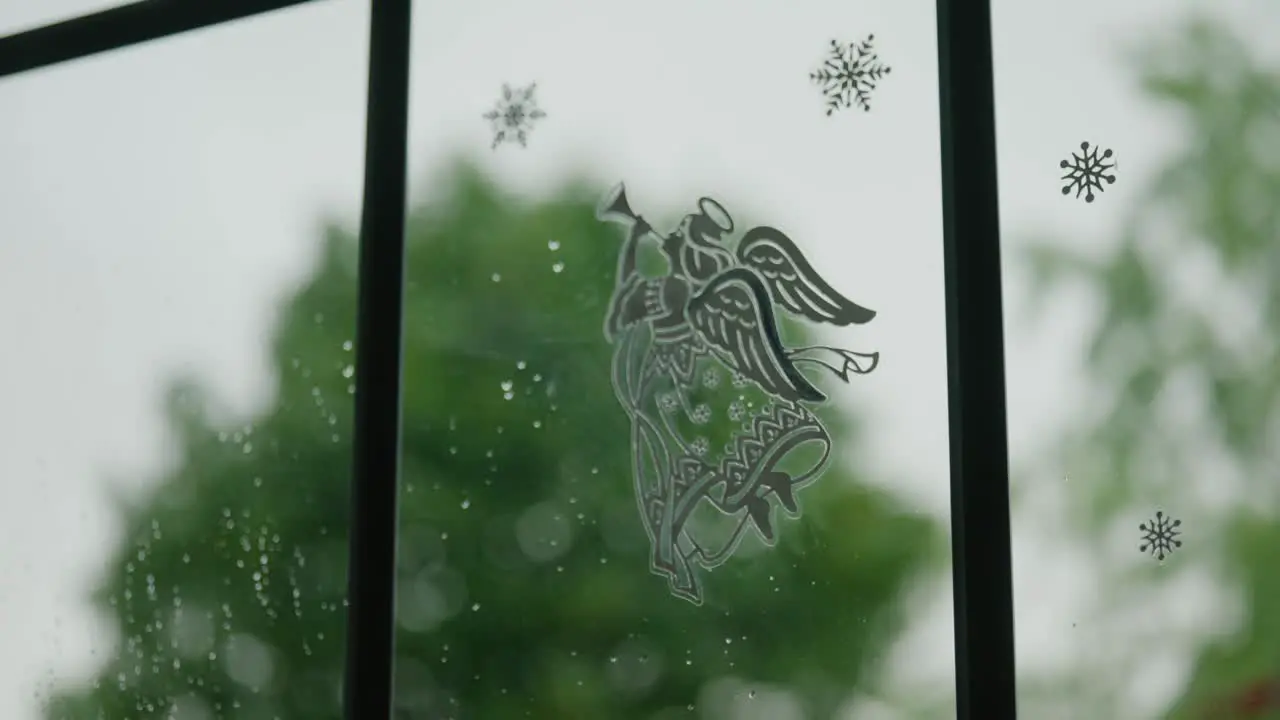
x=369, y=690
x=121, y=27
x=981, y=546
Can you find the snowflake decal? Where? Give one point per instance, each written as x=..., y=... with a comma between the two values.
x=514, y=114
x=1160, y=536
x=849, y=74
x=1085, y=171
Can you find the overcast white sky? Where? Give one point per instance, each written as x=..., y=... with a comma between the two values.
x=156, y=203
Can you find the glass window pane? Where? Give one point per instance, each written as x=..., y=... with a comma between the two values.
x=601, y=447
x=1140, y=162
x=177, y=298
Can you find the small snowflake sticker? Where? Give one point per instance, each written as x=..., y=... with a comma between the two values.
x=849, y=75
x=1160, y=536
x=1085, y=171
x=514, y=114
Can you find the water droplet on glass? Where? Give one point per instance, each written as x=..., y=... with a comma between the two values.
x=348, y=371
x=521, y=365
x=553, y=245
x=496, y=277
x=466, y=504
x=346, y=345
x=557, y=267
x=475, y=607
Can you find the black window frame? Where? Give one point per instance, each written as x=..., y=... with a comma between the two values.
x=980, y=514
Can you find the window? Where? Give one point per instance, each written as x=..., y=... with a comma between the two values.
x=1142, y=356
x=620, y=492
x=592, y=482
x=178, y=399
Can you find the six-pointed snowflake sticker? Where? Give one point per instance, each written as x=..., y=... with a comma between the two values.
x=849, y=74
x=1160, y=536
x=1086, y=171
x=514, y=114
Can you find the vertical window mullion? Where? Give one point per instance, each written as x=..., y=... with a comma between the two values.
x=370, y=660
x=985, y=685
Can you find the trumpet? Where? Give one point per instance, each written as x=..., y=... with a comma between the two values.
x=711, y=221
x=614, y=207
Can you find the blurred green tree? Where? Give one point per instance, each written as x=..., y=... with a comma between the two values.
x=523, y=589
x=1184, y=364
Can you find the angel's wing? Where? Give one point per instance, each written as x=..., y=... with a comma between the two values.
x=793, y=282
x=734, y=316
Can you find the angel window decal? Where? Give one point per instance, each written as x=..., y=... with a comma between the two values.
x=702, y=342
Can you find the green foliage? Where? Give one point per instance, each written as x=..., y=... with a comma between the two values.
x=523, y=582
